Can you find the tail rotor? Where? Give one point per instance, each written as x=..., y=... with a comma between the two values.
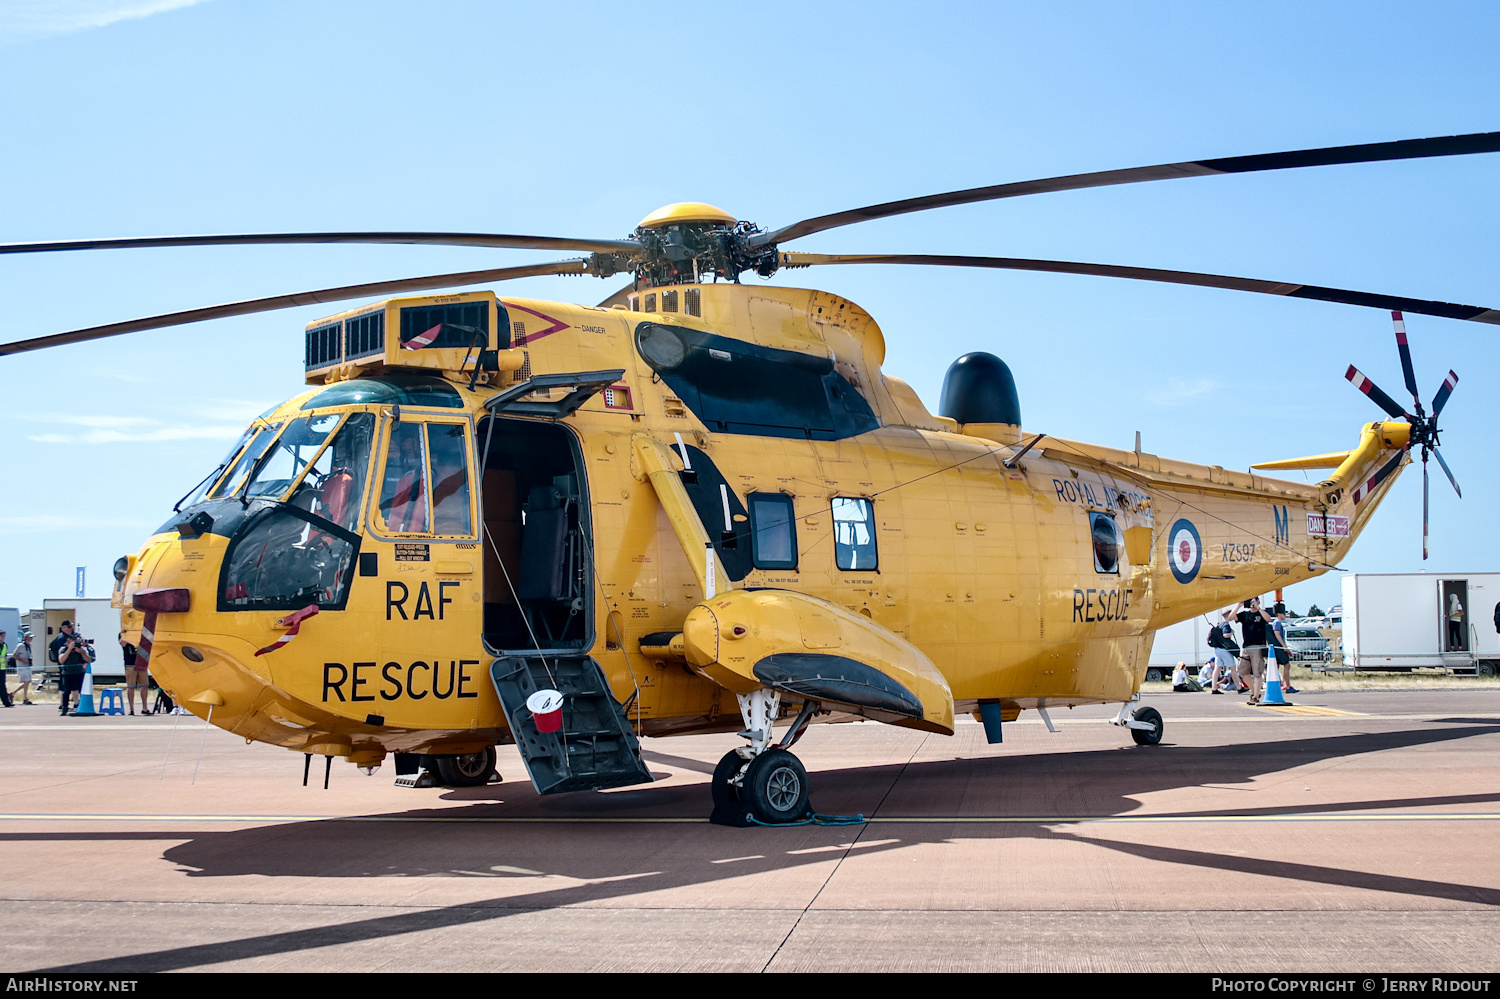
x=1424, y=428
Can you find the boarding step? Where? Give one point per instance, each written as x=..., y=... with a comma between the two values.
x=594, y=749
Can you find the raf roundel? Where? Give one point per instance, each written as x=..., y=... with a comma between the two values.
x=1185, y=550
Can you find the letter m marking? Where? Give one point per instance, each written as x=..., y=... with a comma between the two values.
x=1283, y=525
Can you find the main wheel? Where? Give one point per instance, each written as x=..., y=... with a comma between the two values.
x=725, y=793
x=775, y=787
x=466, y=769
x=1140, y=735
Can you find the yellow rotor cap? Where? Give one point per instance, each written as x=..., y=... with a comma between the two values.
x=686, y=211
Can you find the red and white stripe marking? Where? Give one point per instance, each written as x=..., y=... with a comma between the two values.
x=423, y=339
x=1400, y=327
x=148, y=635
x=1358, y=378
x=293, y=622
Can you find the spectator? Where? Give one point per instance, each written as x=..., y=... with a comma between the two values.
x=73, y=655
x=1283, y=651
x=1221, y=640
x=135, y=676
x=1181, y=682
x=1455, y=624
x=22, y=657
x=4, y=687
x=1253, y=620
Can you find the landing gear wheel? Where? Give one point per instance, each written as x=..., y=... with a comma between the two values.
x=776, y=787
x=1140, y=735
x=466, y=769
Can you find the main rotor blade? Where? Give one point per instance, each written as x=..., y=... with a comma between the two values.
x=1406, y=368
x=1447, y=310
x=321, y=295
x=1444, y=391
x=1362, y=382
x=1405, y=149
x=1448, y=472
x=486, y=239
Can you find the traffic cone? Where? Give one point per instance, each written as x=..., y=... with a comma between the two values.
x=86, y=696
x=1272, y=694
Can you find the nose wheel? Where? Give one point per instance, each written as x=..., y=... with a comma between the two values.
x=760, y=783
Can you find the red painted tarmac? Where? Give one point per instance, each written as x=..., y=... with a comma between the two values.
x=1353, y=833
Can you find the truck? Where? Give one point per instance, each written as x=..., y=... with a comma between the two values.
x=92, y=618
x=1399, y=621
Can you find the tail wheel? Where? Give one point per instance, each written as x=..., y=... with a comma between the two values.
x=467, y=769
x=776, y=787
x=1140, y=735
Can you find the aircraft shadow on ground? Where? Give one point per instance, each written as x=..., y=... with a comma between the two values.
x=620, y=859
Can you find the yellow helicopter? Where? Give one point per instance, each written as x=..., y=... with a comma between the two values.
x=699, y=506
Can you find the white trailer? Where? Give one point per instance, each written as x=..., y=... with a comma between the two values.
x=92, y=618
x=1399, y=621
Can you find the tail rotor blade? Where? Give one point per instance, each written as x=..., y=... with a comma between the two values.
x=1406, y=368
x=1441, y=399
x=1424, y=506
x=1448, y=472
x=1372, y=390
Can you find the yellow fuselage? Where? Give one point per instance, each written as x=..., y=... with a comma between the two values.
x=990, y=571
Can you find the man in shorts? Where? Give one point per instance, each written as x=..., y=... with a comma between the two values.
x=1253, y=620
x=1225, y=651
x=135, y=677
x=22, y=656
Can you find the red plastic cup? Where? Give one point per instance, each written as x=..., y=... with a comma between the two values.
x=546, y=710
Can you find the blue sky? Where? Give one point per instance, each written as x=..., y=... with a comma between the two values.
x=134, y=117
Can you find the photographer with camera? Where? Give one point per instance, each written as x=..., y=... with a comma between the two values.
x=73, y=653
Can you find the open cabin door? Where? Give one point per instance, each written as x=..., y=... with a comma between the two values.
x=538, y=575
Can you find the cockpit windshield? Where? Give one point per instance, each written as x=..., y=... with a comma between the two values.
x=260, y=435
x=319, y=464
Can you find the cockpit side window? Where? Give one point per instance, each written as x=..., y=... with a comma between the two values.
x=448, y=448
x=403, y=490
x=425, y=486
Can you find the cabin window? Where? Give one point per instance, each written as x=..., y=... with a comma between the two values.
x=854, y=533
x=1106, y=537
x=773, y=531
x=736, y=387
x=425, y=484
